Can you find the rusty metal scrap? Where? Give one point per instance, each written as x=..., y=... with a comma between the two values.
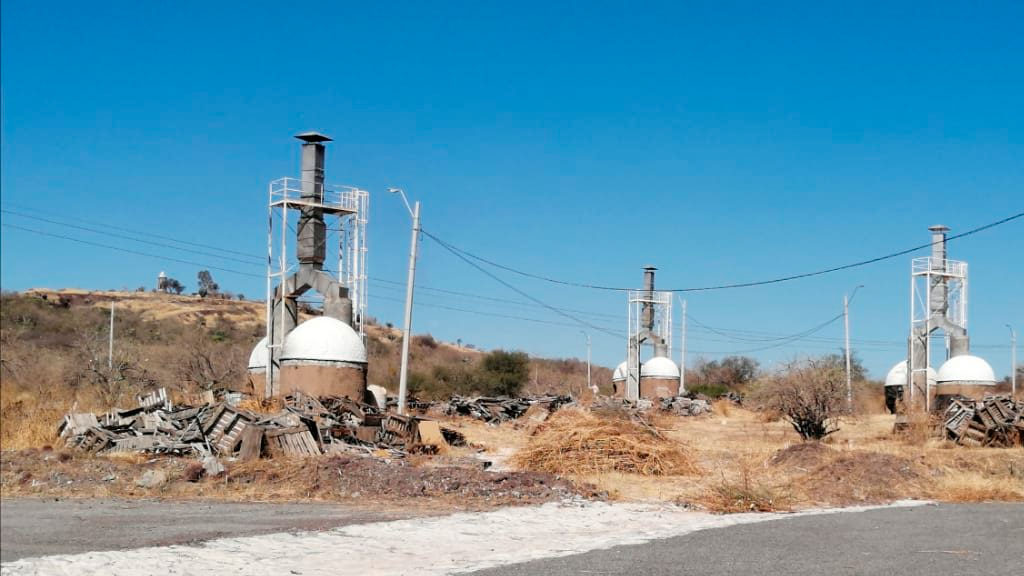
x=992, y=421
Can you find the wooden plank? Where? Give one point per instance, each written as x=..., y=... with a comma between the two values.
x=430, y=434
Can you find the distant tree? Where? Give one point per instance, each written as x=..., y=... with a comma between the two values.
x=112, y=379
x=504, y=373
x=207, y=287
x=719, y=376
x=172, y=285
x=857, y=371
x=208, y=362
x=425, y=340
x=241, y=296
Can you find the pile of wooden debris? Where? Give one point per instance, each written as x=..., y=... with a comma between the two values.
x=994, y=421
x=307, y=426
x=495, y=410
x=684, y=405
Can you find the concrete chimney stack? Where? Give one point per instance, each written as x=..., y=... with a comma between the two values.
x=312, y=233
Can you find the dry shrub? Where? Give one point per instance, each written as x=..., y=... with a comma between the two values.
x=578, y=442
x=809, y=393
x=919, y=429
x=746, y=494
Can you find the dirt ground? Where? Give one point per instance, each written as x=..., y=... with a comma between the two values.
x=743, y=463
x=420, y=482
x=747, y=463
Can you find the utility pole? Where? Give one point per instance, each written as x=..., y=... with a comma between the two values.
x=110, y=346
x=682, y=354
x=407, y=332
x=1013, y=361
x=846, y=331
x=588, y=358
x=682, y=347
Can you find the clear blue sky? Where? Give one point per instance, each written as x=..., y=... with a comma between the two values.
x=721, y=142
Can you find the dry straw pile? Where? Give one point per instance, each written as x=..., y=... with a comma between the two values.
x=578, y=442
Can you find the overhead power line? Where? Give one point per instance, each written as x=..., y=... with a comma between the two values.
x=440, y=292
x=257, y=260
x=146, y=233
x=124, y=237
x=793, y=338
x=482, y=313
x=591, y=286
x=499, y=280
x=130, y=251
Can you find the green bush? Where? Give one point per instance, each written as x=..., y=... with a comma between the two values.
x=709, y=390
x=500, y=373
x=504, y=373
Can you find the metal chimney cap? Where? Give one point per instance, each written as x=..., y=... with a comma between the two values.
x=649, y=267
x=313, y=137
x=939, y=228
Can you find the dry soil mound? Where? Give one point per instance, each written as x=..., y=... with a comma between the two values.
x=805, y=456
x=579, y=442
x=862, y=477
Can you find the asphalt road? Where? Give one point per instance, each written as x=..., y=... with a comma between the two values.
x=927, y=540
x=30, y=528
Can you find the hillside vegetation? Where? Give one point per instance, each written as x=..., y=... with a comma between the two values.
x=55, y=356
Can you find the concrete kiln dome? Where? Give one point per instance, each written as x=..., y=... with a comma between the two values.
x=966, y=369
x=324, y=339
x=258, y=357
x=897, y=376
x=621, y=372
x=659, y=367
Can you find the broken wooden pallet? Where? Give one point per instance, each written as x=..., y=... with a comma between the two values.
x=292, y=441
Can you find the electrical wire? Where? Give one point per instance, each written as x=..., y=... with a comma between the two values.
x=395, y=285
x=491, y=314
x=733, y=336
x=733, y=285
x=123, y=237
x=130, y=251
x=787, y=341
x=209, y=247
x=499, y=280
x=151, y=234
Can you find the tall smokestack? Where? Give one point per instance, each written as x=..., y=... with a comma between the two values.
x=311, y=248
x=939, y=300
x=647, y=312
x=939, y=246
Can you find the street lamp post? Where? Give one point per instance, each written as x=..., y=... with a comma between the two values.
x=1013, y=360
x=584, y=332
x=846, y=331
x=403, y=380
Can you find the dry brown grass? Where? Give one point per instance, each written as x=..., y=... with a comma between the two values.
x=577, y=442
x=26, y=424
x=748, y=493
x=753, y=462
